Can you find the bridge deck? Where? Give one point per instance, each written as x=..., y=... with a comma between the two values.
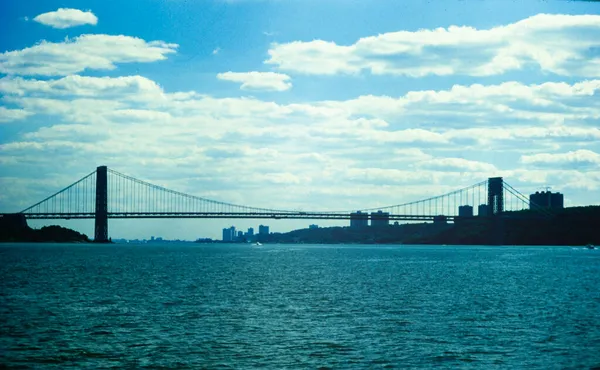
x=299, y=215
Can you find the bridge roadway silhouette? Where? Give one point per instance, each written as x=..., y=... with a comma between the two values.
x=257, y=215
x=106, y=193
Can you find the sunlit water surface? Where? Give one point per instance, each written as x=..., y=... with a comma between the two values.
x=298, y=306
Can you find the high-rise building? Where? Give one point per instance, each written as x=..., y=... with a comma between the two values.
x=250, y=231
x=465, y=211
x=557, y=201
x=240, y=234
x=495, y=196
x=380, y=219
x=227, y=235
x=546, y=199
x=359, y=219
x=263, y=230
x=482, y=210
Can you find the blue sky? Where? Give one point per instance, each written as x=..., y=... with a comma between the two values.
x=298, y=104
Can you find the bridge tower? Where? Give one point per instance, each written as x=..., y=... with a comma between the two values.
x=495, y=196
x=496, y=208
x=101, y=216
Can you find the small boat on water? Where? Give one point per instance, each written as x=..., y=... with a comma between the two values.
x=590, y=246
x=258, y=244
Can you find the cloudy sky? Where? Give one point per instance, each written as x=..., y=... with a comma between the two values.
x=292, y=104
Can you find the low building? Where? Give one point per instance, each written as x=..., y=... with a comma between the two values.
x=465, y=211
x=546, y=199
x=359, y=219
x=313, y=226
x=380, y=219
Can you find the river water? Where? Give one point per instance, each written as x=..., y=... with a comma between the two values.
x=298, y=306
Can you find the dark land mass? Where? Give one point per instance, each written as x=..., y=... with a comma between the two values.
x=364, y=235
x=13, y=228
x=569, y=226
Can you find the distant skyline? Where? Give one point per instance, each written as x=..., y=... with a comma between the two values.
x=306, y=105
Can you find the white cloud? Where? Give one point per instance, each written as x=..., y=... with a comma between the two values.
x=9, y=115
x=411, y=155
x=371, y=119
x=398, y=136
x=556, y=134
x=75, y=85
x=216, y=51
x=98, y=52
x=66, y=18
x=467, y=112
x=559, y=44
x=457, y=165
x=548, y=102
x=577, y=158
x=266, y=81
x=549, y=112
x=283, y=178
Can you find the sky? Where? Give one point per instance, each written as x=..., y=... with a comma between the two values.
x=289, y=104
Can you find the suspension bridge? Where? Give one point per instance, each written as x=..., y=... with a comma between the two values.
x=106, y=193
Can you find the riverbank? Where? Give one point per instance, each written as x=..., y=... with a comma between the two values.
x=14, y=228
x=570, y=226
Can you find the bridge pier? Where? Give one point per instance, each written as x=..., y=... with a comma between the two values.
x=101, y=216
x=495, y=196
x=496, y=208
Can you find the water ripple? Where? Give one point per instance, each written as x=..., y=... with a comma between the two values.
x=324, y=307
